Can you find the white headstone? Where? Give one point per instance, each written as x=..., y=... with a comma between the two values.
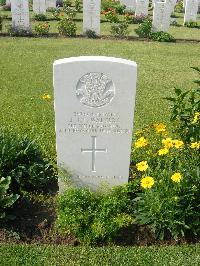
x=161, y=17
x=130, y=4
x=94, y=109
x=91, y=15
x=39, y=6
x=50, y=3
x=172, y=4
x=141, y=8
x=20, y=14
x=191, y=9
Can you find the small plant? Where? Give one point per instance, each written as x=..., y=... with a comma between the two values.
x=24, y=162
x=17, y=31
x=67, y=3
x=70, y=12
x=119, y=29
x=6, y=199
x=162, y=36
x=91, y=34
x=42, y=28
x=67, y=27
x=128, y=18
x=111, y=15
x=144, y=29
x=1, y=22
x=77, y=5
x=115, y=5
x=179, y=7
x=40, y=17
x=192, y=24
x=186, y=112
x=57, y=14
x=94, y=217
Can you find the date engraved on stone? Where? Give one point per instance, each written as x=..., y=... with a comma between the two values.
x=95, y=90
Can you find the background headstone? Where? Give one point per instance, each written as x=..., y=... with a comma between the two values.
x=94, y=108
x=91, y=15
x=50, y=4
x=141, y=8
x=130, y=4
x=161, y=17
x=20, y=14
x=191, y=9
x=39, y=6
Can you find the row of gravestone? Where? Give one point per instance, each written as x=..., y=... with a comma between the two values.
x=91, y=12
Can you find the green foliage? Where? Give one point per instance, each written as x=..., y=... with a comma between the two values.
x=144, y=29
x=23, y=161
x=2, y=2
x=67, y=3
x=17, y=31
x=40, y=17
x=161, y=36
x=119, y=29
x=94, y=217
x=179, y=7
x=1, y=22
x=106, y=5
x=6, y=199
x=185, y=112
x=170, y=204
x=192, y=24
x=77, y=5
x=70, y=12
x=42, y=28
x=67, y=27
x=91, y=34
x=111, y=16
x=56, y=12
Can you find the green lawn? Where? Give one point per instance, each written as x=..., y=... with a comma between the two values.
x=27, y=255
x=26, y=73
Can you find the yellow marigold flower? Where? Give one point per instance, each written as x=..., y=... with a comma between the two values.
x=178, y=143
x=196, y=118
x=147, y=182
x=168, y=143
x=195, y=145
x=46, y=97
x=142, y=166
x=163, y=151
x=160, y=128
x=176, y=177
x=141, y=142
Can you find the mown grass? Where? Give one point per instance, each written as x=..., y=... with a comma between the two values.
x=26, y=73
x=123, y=256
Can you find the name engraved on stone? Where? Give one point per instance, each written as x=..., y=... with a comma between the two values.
x=93, y=150
x=95, y=90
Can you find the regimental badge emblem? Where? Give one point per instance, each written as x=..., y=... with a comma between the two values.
x=95, y=90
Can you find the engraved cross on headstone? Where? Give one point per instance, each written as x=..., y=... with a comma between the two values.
x=93, y=150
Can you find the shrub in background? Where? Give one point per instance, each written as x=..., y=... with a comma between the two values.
x=95, y=217
x=16, y=31
x=115, y=5
x=67, y=27
x=77, y=5
x=1, y=22
x=7, y=199
x=23, y=161
x=192, y=24
x=40, y=17
x=145, y=31
x=42, y=29
x=111, y=15
x=119, y=29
